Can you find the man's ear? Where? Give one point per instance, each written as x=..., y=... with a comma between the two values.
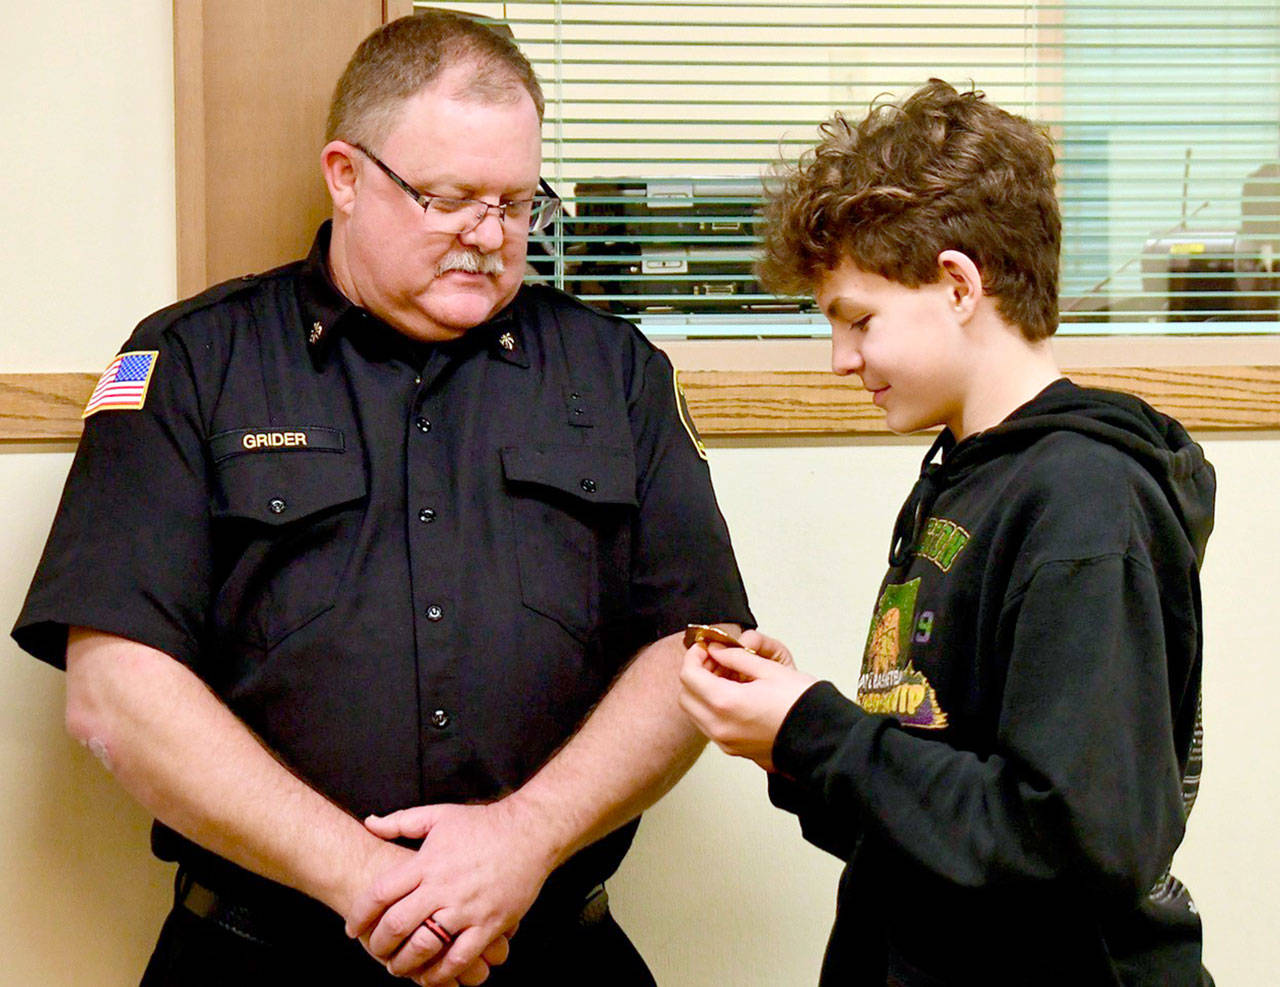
x=337, y=163
x=962, y=276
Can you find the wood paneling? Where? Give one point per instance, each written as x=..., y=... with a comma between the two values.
x=812, y=402
x=46, y=407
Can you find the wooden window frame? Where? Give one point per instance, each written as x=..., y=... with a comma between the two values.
x=736, y=388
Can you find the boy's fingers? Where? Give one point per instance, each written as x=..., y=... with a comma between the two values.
x=696, y=677
x=742, y=662
x=767, y=647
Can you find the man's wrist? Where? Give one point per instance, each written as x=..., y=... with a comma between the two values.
x=366, y=859
x=545, y=829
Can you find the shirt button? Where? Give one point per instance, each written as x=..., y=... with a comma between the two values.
x=588, y=484
x=435, y=613
x=439, y=719
x=423, y=425
x=426, y=515
x=276, y=505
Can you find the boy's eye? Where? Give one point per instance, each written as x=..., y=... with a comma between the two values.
x=860, y=324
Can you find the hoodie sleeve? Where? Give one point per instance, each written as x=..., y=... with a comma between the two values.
x=1083, y=783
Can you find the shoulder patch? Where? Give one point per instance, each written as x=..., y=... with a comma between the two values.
x=686, y=419
x=123, y=385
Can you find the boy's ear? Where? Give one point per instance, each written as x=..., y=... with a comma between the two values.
x=963, y=278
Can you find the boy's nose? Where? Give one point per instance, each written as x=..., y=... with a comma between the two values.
x=845, y=358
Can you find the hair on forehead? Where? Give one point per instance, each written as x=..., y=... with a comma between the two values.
x=400, y=59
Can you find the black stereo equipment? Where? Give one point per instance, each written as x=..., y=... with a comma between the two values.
x=665, y=245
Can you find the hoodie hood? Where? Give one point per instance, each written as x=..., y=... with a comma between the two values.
x=1154, y=440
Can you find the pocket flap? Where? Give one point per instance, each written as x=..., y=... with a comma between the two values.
x=281, y=489
x=592, y=474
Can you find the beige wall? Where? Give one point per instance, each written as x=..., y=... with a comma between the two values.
x=719, y=889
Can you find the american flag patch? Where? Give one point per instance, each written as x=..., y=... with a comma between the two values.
x=123, y=385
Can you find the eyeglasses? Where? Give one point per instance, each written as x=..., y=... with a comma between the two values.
x=449, y=215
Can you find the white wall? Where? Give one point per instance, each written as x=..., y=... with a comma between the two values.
x=86, y=109
x=719, y=889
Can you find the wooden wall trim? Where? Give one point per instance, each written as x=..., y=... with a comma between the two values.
x=738, y=402
x=810, y=402
x=190, y=145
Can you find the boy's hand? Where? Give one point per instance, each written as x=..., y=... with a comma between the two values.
x=739, y=699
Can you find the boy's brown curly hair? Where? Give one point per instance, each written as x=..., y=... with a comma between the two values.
x=942, y=170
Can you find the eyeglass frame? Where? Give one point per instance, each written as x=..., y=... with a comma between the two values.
x=424, y=200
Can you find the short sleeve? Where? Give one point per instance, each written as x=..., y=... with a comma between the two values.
x=684, y=566
x=130, y=550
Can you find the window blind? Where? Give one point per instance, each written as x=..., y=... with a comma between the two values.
x=663, y=116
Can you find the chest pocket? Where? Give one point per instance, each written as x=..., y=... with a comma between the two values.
x=287, y=524
x=572, y=509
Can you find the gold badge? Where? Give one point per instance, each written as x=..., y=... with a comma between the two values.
x=507, y=341
x=317, y=330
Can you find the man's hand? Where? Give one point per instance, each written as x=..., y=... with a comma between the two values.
x=739, y=699
x=479, y=869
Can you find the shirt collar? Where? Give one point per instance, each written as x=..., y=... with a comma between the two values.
x=328, y=313
x=325, y=309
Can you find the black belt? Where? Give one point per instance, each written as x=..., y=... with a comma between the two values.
x=272, y=925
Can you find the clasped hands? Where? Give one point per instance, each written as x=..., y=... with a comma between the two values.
x=739, y=697
x=474, y=877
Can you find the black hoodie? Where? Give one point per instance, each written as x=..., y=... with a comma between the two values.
x=1010, y=786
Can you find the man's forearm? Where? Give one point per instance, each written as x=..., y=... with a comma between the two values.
x=181, y=753
x=631, y=750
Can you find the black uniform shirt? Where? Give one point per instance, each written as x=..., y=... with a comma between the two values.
x=411, y=569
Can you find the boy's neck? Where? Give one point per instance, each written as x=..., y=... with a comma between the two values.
x=1006, y=371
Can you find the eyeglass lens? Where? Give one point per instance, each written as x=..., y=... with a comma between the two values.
x=463, y=215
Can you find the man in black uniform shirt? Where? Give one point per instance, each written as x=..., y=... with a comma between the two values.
x=385, y=529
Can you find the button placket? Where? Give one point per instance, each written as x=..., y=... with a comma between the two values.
x=433, y=583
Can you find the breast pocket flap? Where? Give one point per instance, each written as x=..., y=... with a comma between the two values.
x=281, y=489
x=591, y=474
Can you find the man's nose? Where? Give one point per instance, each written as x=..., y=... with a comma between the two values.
x=487, y=235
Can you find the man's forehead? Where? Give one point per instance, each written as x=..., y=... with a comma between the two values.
x=439, y=106
x=437, y=131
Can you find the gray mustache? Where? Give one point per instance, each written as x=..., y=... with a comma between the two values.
x=470, y=261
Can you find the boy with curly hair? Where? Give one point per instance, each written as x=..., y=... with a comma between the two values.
x=1013, y=775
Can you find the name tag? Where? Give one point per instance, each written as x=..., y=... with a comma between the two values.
x=242, y=441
